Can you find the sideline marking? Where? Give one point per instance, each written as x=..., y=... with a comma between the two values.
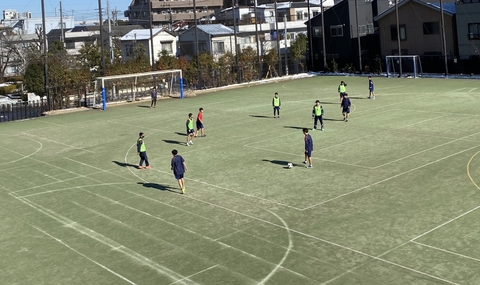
x=206, y=269
x=468, y=170
x=83, y=255
x=49, y=140
x=387, y=179
x=24, y=156
x=104, y=240
x=447, y=251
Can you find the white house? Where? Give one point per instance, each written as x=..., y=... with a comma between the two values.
x=24, y=24
x=216, y=39
x=162, y=40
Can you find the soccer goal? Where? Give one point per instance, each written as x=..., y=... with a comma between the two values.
x=404, y=64
x=137, y=86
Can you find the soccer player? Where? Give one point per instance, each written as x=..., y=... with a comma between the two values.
x=371, y=89
x=342, y=89
x=190, y=129
x=345, y=105
x=142, y=152
x=276, y=103
x=179, y=168
x=317, y=115
x=153, y=94
x=200, y=126
x=308, y=148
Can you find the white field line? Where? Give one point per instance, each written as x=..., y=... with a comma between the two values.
x=106, y=241
x=425, y=150
x=471, y=90
x=71, y=188
x=387, y=179
x=447, y=251
x=446, y=223
x=435, y=112
x=23, y=156
x=49, y=176
x=213, y=240
x=460, y=89
x=290, y=245
x=49, y=140
x=199, y=272
x=325, y=241
x=84, y=256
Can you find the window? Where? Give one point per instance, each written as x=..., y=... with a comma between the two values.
x=474, y=31
x=129, y=50
x=299, y=16
x=218, y=47
x=403, y=32
x=431, y=28
x=362, y=30
x=370, y=29
x=336, y=31
x=167, y=46
x=38, y=26
x=317, y=32
x=69, y=45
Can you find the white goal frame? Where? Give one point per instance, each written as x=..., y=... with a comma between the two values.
x=137, y=85
x=413, y=61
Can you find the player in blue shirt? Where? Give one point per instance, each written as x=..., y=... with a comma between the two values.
x=371, y=89
x=345, y=105
x=179, y=168
x=308, y=148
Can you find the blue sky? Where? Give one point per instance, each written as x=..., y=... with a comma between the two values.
x=82, y=10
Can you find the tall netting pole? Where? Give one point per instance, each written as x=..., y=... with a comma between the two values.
x=181, y=85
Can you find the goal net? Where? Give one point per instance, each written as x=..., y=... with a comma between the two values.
x=403, y=65
x=137, y=86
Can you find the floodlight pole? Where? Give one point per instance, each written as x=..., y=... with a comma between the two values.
x=310, y=36
x=278, y=42
x=152, y=52
x=444, y=43
x=358, y=37
x=398, y=40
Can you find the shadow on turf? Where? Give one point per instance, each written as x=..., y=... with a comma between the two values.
x=294, y=127
x=328, y=119
x=158, y=187
x=181, y=134
x=260, y=116
x=124, y=164
x=143, y=106
x=172, y=142
x=280, y=162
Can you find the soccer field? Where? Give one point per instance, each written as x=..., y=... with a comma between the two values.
x=393, y=196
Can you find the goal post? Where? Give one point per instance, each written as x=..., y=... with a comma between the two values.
x=404, y=63
x=137, y=86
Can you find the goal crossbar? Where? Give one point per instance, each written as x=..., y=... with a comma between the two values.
x=166, y=79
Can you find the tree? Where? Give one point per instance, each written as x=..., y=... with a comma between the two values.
x=166, y=61
x=246, y=60
x=206, y=68
x=298, y=50
x=225, y=73
x=271, y=58
x=35, y=78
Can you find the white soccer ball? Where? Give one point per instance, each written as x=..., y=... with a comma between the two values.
x=290, y=165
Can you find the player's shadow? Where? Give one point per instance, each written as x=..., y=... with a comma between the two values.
x=283, y=163
x=124, y=164
x=294, y=127
x=357, y=97
x=172, y=142
x=260, y=116
x=329, y=103
x=143, y=106
x=181, y=134
x=158, y=187
x=329, y=119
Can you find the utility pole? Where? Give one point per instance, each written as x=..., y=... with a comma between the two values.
x=110, y=44
x=256, y=36
x=444, y=43
x=102, y=48
x=278, y=42
x=398, y=40
x=150, y=18
x=310, y=35
x=235, y=38
x=62, y=37
x=285, y=38
x=196, y=39
x=45, y=56
x=358, y=38
x=324, y=46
